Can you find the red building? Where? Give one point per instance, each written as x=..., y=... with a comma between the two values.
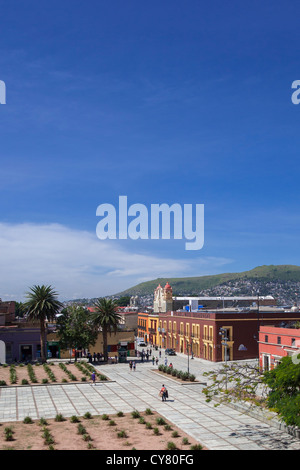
x=275, y=343
x=199, y=332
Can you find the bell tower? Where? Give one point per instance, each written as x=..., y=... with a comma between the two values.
x=163, y=299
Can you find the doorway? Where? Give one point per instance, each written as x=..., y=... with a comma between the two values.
x=25, y=352
x=53, y=350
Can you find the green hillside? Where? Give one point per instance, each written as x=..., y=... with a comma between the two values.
x=193, y=285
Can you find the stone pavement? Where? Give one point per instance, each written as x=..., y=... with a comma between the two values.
x=217, y=428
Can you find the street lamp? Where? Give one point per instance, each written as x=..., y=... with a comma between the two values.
x=223, y=333
x=188, y=346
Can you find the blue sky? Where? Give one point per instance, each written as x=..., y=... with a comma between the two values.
x=165, y=102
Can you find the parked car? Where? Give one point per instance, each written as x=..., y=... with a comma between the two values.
x=170, y=352
x=142, y=343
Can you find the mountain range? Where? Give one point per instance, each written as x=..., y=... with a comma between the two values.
x=281, y=281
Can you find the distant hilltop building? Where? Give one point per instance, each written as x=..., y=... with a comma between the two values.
x=164, y=301
x=134, y=301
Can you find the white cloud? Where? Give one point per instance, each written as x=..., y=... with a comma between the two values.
x=77, y=264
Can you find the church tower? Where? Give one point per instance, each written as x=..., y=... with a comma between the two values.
x=163, y=299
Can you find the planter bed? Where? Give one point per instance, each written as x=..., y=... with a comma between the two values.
x=52, y=373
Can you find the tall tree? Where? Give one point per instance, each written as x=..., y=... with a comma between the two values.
x=75, y=328
x=42, y=305
x=107, y=318
x=284, y=390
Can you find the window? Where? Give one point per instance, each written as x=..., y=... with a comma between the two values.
x=278, y=339
x=266, y=339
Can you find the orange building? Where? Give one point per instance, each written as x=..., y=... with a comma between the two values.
x=148, y=327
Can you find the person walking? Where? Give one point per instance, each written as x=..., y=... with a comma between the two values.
x=93, y=377
x=133, y=365
x=130, y=365
x=163, y=393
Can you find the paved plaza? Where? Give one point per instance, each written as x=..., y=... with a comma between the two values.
x=217, y=428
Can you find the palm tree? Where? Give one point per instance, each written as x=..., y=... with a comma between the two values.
x=42, y=305
x=106, y=317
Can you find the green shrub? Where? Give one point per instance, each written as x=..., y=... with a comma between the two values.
x=8, y=433
x=196, y=447
x=2, y=383
x=135, y=414
x=168, y=427
x=87, y=415
x=24, y=382
x=31, y=373
x=105, y=417
x=74, y=419
x=27, y=420
x=49, y=373
x=171, y=446
x=156, y=431
x=48, y=438
x=149, y=411
x=13, y=374
x=160, y=421
x=59, y=418
x=81, y=429
x=175, y=434
x=120, y=414
x=122, y=434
